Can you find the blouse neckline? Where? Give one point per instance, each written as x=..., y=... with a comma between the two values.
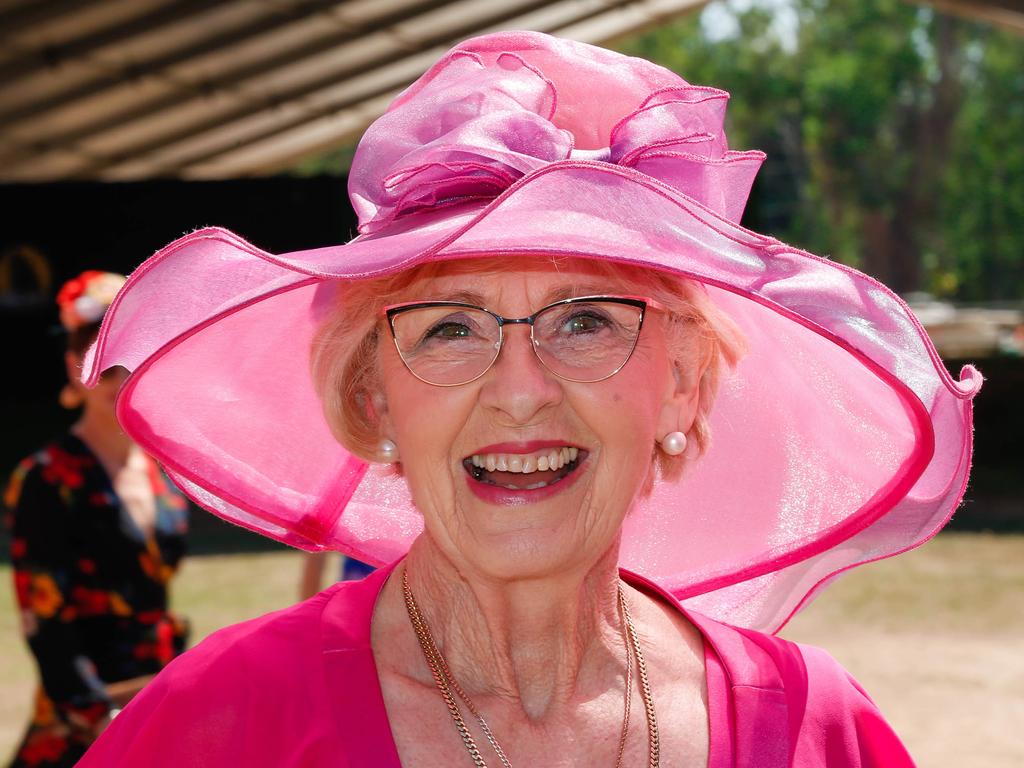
x=362, y=718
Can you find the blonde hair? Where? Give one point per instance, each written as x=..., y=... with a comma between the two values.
x=346, y=365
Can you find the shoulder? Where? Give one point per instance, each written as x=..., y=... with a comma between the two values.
x=760, y=660
x=38, y=483
x=28, y=470
x=57, y=467
x=252, y=693
x=842, y=721
x=250, y=653
x=824, y=715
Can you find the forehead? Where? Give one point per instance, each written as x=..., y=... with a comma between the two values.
x=539, y=279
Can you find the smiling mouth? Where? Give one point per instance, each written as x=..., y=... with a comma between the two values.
x=524, y=472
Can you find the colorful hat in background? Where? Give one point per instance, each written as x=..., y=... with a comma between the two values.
x=839, y=439
x=83, y=300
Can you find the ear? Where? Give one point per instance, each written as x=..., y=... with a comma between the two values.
x=377, y=410
x=682, y=395
x=379, y=415
x=73, y=369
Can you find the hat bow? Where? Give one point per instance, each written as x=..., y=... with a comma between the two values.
x=473, y=128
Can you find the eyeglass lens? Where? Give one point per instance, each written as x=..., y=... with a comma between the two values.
x=578, y=341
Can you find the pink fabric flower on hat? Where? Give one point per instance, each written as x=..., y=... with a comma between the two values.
x=477, y=122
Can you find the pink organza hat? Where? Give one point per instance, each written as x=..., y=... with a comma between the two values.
x=839, y=439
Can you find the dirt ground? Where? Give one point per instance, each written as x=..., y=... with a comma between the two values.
x=936, y=636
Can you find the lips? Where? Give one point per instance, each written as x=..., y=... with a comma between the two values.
x=524, y=470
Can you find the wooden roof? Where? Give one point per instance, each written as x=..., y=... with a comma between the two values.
x=133, y=89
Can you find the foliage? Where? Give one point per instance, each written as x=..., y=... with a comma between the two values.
x=892, y=133
x=983, y=206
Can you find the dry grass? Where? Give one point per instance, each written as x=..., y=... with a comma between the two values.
x=936, y=636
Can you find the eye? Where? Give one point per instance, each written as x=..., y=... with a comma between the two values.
x=585, y=320
x=449, y=329
x=450, y=326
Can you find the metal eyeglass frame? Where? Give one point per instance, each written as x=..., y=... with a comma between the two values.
x=641, y=302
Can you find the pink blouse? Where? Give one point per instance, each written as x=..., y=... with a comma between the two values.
x=299, y=687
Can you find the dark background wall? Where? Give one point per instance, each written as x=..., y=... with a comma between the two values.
x=69, y=227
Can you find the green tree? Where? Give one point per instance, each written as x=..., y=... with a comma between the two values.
x=981, y=255
x=890, y=132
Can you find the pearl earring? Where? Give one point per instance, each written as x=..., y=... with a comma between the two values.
x=389, y=451
x=674, y=443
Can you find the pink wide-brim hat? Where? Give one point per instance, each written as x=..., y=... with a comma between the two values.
x=838, y=439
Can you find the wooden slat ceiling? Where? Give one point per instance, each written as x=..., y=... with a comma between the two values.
x=133, y=89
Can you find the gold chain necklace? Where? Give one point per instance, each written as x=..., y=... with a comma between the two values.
x=449, y=687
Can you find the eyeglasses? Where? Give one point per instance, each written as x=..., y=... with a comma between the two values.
x=586, y=339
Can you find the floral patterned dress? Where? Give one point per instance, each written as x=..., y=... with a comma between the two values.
x=92, y=589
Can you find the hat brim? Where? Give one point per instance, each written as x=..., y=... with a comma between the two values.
x=839, y=439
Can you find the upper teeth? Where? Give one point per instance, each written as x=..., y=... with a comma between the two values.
x=552, y=458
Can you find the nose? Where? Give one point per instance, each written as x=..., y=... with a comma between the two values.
x=518, y=385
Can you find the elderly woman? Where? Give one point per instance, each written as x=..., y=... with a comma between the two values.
x=501, y=393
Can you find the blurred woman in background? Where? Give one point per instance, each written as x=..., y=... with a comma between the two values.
x=96, y=534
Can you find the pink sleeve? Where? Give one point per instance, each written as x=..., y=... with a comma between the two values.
x=841, y=723
x=189, y=716
x=252, y=694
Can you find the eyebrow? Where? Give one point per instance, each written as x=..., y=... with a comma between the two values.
x=556, y=294
x=465, y=297
x=574, y=291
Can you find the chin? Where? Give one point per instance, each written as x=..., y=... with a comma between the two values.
x=533, y=552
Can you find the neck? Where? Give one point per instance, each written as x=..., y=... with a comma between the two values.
x=104, y=436
x=539, y=642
